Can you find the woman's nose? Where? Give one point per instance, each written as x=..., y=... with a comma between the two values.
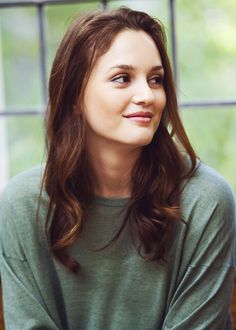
x=143, y=94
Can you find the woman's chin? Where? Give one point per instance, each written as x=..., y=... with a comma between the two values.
x=142, y=141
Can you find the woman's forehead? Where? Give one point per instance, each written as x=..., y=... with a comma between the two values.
x=130, y=47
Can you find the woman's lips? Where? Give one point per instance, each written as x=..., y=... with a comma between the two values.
x=140, y=117
x=139, y=114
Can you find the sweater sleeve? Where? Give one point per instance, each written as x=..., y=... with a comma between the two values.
x=24, y=307
x=204, y=290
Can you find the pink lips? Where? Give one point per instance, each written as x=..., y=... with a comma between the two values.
x=140, y=117
x=141, y=114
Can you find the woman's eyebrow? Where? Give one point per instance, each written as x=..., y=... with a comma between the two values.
x=157, y=68
x=123, y=67
x=132, y=68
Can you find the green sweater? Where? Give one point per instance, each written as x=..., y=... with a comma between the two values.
x=115, y=288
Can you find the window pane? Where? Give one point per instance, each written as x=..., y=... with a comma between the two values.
x=158, y=9
x=25, y=142
x=19, y=30
x=206, y=49
x=212, y=133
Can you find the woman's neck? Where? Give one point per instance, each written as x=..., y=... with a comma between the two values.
x=112, y=170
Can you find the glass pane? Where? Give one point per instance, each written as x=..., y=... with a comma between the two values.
x=158, y=9
x=206, y=49
x=23, y=145
x=212, y=133
x=20, y=57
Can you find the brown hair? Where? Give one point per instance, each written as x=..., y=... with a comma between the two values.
x=161, y=169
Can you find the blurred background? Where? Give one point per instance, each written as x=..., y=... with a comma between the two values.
x=205, y=71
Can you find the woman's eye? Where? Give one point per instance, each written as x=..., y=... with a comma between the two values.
x=121, y=79
x=156, y=80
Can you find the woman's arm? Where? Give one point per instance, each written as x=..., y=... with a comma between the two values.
x=204, y=291
x=23, y=303
x=202, y=300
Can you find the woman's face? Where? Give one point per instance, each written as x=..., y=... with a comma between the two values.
x=124, y=98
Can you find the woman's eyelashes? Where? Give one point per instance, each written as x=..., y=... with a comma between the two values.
x=156, y=80
x=121, y=79
x=124, y=79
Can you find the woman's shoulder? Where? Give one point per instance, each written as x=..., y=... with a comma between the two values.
x=207, y=203
x=208, y=209
x=18, y=212
x=208, y=186
x=23, y=185
x=21, y=195
x=207, y=199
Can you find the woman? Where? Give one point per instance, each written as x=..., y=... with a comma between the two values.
x=131, y=231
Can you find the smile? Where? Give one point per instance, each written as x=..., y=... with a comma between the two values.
x=140, y=117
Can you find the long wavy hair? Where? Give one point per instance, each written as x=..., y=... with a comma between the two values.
x=157, y=176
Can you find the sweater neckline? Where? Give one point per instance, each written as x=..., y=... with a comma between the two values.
x=110, y=201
